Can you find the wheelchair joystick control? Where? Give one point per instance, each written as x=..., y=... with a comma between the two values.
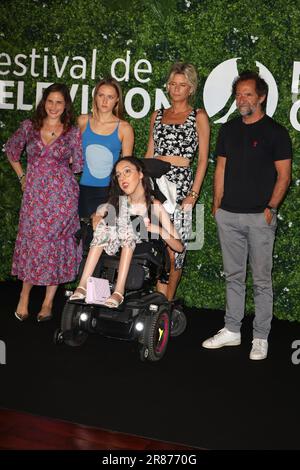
x=153, y=308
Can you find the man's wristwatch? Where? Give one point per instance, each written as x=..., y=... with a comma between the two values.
x=272, y=209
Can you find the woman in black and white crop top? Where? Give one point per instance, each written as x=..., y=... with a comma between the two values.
x=177, y=134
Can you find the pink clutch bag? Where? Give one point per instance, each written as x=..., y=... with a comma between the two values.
x=97, y=290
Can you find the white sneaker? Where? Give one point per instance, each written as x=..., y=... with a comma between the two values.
x=259, y=349
x=224, y=337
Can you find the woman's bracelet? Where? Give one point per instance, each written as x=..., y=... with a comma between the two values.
x=21, y=177
x=193, y=194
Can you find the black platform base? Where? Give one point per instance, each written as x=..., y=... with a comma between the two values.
x=215, y=399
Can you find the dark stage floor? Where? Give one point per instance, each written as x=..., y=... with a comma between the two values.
x=202, y=398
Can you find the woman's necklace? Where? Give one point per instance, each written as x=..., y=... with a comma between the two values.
x=53, y=131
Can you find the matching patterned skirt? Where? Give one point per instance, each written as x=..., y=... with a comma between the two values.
x=183, y=178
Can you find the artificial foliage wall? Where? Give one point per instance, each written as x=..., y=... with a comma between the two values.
x=79, y=41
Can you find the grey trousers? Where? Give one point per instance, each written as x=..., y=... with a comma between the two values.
x=243, y=235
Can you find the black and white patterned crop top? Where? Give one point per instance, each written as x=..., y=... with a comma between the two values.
x=175, y=139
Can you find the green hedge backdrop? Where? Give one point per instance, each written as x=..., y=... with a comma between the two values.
x=203, y=32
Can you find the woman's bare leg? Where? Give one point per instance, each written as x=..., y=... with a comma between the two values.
x=90, y=264
x=48, y=302
x=22, y=307
x=162, y=288
x=174, y=278
x=169, y=290
x=125, y=260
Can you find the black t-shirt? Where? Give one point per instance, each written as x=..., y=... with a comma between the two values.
x=250, y=151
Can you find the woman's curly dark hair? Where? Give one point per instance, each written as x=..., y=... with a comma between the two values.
x=114, y=189
x=67, y=118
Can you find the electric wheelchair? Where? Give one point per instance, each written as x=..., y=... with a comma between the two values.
x=145, y=316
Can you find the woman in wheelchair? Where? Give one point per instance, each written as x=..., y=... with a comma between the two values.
x=130, y=197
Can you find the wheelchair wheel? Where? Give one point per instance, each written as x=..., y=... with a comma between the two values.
x=156, y=335
x=74, y=336
x=178, y=322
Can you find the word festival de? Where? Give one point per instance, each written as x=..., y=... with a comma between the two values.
x=39, y=66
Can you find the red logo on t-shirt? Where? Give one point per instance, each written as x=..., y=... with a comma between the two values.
x=254, y=143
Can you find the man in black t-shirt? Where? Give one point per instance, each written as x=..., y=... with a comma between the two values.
x=252, y=175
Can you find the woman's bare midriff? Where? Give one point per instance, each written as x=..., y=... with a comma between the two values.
x=174, y=160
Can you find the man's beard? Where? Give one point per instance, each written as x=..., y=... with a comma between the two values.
x=246, y=110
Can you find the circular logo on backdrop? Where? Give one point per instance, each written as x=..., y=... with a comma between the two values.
x=217, y=96
x=99, y=160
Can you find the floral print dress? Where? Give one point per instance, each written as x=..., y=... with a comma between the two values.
x=46, y=252
x=114, y=232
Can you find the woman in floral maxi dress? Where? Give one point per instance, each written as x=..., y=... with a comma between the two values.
x=46, y=252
